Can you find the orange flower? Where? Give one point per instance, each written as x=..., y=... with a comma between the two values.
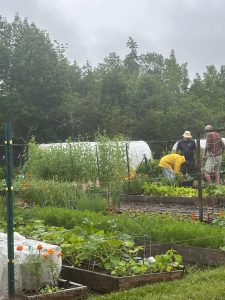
x=39, y=247
x=50, y=251
x=193, y=216
x=19, y=247
x=59, y=254
x=45, y=255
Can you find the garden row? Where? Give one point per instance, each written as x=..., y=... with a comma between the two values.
x=81, y=196
x=92, y=242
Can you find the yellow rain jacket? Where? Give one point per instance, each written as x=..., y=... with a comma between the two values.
x=172, y=162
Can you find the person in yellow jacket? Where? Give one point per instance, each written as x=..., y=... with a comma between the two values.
x=171, y=165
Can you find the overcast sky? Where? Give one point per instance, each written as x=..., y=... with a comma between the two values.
x=195, y=29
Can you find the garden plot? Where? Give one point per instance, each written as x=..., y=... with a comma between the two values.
x=29, y=273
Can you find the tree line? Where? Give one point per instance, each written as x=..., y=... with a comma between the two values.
x=142, y=96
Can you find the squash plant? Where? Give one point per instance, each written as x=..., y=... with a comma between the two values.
x=92, y=248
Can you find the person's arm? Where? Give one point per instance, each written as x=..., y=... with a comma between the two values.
x=194, y=146
x=222, y=145
x=178, y=148
x=177, y=165
x=206, y=146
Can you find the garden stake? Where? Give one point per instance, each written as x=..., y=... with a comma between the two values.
x=9, y=201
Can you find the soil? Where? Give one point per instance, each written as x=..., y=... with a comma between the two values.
x=140, y=206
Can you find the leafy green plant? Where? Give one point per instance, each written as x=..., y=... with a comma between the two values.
x=48, y=289
x=168, y=191
x=91, y=248
x=35, y=267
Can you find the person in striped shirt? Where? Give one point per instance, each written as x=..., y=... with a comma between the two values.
x=214, y=149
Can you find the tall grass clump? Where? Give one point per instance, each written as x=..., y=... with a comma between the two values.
x=112, y=165
x=80, y=162
x=64, y=162
x=92, y=203
x=49, y=193
x=60, y=194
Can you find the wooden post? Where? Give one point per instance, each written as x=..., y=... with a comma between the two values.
x=198, y=161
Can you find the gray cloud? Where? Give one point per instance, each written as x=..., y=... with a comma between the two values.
x=93, y=28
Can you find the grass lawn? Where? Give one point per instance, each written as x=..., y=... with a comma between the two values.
x=201, y=285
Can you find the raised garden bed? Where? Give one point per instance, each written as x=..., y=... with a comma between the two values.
x=190, y=254
x=106, y=283
x=181, y=201
x=74, y=291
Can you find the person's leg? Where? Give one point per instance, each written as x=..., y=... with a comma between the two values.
x=209, y=168
x=191, y=168
x=218, y=161
x=168, y=173
x=217, y=177
x=208, y=178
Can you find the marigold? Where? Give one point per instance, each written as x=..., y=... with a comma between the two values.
x=45, y=254
x=50, y=251
x=19, y=247
x=39, y=247
x=59, y=254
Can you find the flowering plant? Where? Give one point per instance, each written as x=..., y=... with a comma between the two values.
x=41, y=264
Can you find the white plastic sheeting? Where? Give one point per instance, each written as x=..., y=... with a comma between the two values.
x=136, y=149
x=22, y=276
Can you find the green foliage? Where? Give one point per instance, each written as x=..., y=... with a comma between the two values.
x=134, y=185
x=155, y=189
x=160, y=227
x=80, y=162
x=33, y=76
x=48, y=289
x=150, y=168
x=60, y=163
x=111, y=159
x=92, y=202
x=60, y=194
x=215, y=190
x=144, y=96
x=87, y=246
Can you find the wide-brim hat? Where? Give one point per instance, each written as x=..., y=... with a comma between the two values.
x=187, y=134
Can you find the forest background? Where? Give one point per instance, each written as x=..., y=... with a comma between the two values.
x=142, y=96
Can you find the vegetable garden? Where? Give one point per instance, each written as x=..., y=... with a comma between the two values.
x=63, y=198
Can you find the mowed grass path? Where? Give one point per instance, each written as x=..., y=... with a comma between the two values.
x=208, y=284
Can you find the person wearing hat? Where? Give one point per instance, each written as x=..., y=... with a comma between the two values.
x=187, y=147
x=214, y=149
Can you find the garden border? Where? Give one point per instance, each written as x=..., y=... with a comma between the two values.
x=107, y=283
x=182, y=201
x=190, y=254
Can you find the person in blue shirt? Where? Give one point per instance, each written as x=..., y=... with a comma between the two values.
x=187, y=148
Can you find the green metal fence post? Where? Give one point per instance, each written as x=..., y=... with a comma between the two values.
x=9, y=201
